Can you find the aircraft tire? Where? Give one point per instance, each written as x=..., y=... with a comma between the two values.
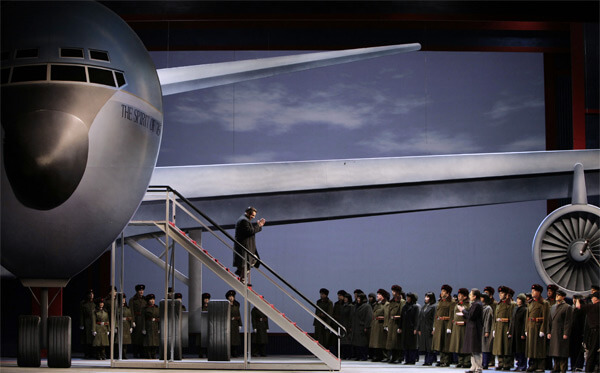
x=28, y=347
x=219, y=331
x=59, y=342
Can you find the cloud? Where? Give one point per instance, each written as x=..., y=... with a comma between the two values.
x=504, y=107
x=429, y=142
x=532, y=143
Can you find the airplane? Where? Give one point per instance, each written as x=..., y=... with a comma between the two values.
x=82, y=119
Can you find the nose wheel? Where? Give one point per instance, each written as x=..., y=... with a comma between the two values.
x=28, y=345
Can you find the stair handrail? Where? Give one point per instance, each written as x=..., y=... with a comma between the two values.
x=157, y=188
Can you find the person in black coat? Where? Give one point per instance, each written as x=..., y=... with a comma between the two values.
x=425, y=328
x=473, y=330
x=361, y=327
x=245, y=232
x=410, y=320
x=517, y=332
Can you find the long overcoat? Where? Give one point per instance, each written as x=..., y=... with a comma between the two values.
x=486, y=342
x=425, y=326
x=260, y=323
x=561, y=318
x=127, y=324
x=361, y=324
x=393, y=323
x=86, y=312
x=101, y=327
x=137, y=304
x=458, y=328
x=502, y=344
x=378, y=334
x=538, y=314
x=151, y=324
x=473, y=328
x=245, y=232
x=443, y=321
x=346, y=321
x=517, y=329
x=236, y=323
x=410, y=319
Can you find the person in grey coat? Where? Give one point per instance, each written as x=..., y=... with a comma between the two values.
x=425, y=329
x=486, y=338
x=361, y=327
x=346, y=321
x=561, y=316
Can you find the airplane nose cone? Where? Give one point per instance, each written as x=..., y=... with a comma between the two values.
x=45, y=156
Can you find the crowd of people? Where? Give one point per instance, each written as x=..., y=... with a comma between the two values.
x=470, y=329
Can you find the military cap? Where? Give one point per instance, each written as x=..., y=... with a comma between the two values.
x=552, y=287
x=341, y=292
x=324, y=291
x=205, y=296
x=447, y=287
x=140, y=287
x=502, y=289
x=522, y=297
x=100, y=300
x=89, y=291
x=511, y=292
x=397, y=288
x=561, y=293
x=384, y=293
x=150, y=296
x=463, y=291
x=178, y=296
x=489, y=289
x=229, y=293
x=537, y=287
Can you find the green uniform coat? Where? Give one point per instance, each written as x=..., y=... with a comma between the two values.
x=502, y=345
x=127, y=325
x=137, y=305
x=441, y=339
x=101, y=327
x=260, y=323
x=394, y=322
x=538, y=313
x=378, y=334
x=151, y=324
x=236, y=324
x=86, y=315
x=458, y=329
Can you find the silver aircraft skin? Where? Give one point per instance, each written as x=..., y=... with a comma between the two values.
x=81, y=127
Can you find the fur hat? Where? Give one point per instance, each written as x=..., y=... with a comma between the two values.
x=324, y=291
x=205, y=296
x=552, y=287
x=463, y=291
x=503, y=289
x=448, y=288
x=384, y=294
x=397, y=288
x=140, y=287
x=229, y=293
x=150, y=296
x=537, y=287
x=490, y=289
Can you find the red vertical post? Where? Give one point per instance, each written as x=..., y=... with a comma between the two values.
x=578, y=85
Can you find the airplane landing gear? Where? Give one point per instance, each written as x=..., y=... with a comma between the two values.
x=28, y=348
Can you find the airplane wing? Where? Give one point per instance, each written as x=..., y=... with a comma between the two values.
x=189, y=78
x=290, y=192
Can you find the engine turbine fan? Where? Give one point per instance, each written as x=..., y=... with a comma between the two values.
x=566, y=246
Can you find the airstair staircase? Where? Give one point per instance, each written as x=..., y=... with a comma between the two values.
x=328, y=361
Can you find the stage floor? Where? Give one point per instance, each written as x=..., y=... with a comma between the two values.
x=8, y=365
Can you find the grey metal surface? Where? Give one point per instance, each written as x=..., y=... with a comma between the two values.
x=188, y=78
x=320, y=190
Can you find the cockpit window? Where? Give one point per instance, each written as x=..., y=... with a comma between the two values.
x=71, y=52
x=71, y=73
x=120, y=78
x=29, y=73
x=99, y=55
x=26, y=53
x=101, y=76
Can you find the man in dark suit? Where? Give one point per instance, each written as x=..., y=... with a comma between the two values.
x=245, y=232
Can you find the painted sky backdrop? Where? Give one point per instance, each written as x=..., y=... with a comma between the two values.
x=411, y=104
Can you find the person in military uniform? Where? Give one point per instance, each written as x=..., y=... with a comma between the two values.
x=592, y=335
x=151, y=327
x=245, y=234
x=502, y=345
x=408, y=331
x=561, y=316
x=137, y=304
x=127, y=318
x=517, y=332
x=458, y=329
x=236, y=323
x=87, y=307
x=325, y=307
x=101, y=330
x=180, y=297
x=536, y=329
x=490, y=358
x=488, y=322
x=425, y=328
x=378, y=325
x=361, y=327
x=442, y=326
x=260, y=326
x=202, y=351
x=393, y=343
